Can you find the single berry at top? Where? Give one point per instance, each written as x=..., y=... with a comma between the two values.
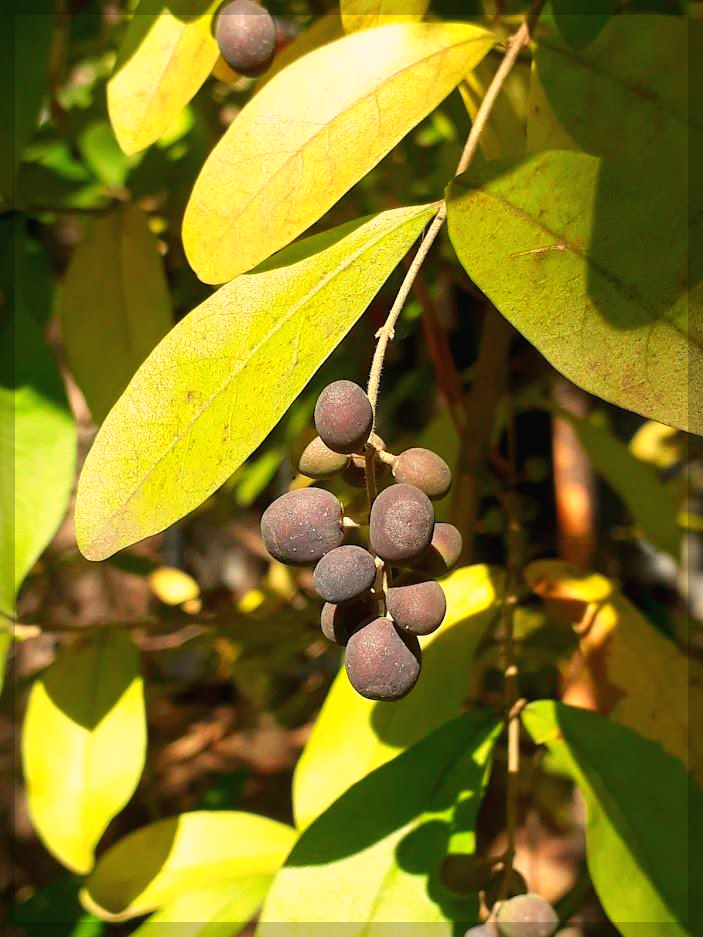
x=401, y=524
x=344, y=574
x=382, y=663
x=344, y=417
x=528, y=915
x=301, y=526
x=425, y=470
x=246, y=36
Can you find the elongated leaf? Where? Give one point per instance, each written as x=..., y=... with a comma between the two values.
x=312, y=132
x=156, y=864
x=214, y=387
x=352, y=736
x=651, y=502
x=168, y=52
x=324, y=29
x=504, y=134
x=83, y=744
x=37, y=446
x=574, y=286
x=365, y=14
x=629, y=662
x=638, y=800
x=115, y=305
x=213, y=911
x=580, y=21
x=26, y=47
x=374, y=855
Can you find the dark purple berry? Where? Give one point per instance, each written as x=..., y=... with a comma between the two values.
x=382, y=663
x=301, y=526
x=344, y=417
x=317, y=461
x=425, y=470
x=416, y=604
x=344, y=574
x=339, y=622
x=443, y=553
x=246, y=37
x=401, y=524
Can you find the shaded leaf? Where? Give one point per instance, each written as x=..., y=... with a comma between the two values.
x=56, y=910
x=214, y=387
x=366, y=14
x=167, y=53
x=156, y=864
x=352, y=735
x=213, y=911
x=373, y=858
x=638, y=807
x=580, y=21
x=567, y=285
x=652, y=503
x=251, y=199
x=629, y=662
x=84, y=708
x=37, y=445
x=115, y=306
x=25, y=69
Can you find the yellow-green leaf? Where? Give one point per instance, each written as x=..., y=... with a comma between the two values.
x=154, y=865
x=212, y=911
x=630, y=663
x=324, y=29
x=312, y=132
x=365, y=14
x=83, y=744
x=115, y=305
x=167, y=53
x=504, y=134
x=214, y=387
x=352, y=736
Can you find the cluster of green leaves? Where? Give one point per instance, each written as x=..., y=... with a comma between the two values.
x=573, y=223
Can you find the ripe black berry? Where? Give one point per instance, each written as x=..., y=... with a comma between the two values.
x=246, y=37
x=344, y=417
x=425, y=470
x=528, y=915
x=416, y=604
x=344, y=574
x=382, y=663
x=339, y=622
x=443, y=553
x=301, y=526
x=401, y=524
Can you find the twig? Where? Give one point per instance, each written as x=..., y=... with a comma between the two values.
x=387, y=331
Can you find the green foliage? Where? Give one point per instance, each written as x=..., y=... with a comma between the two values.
x=157, y=864
x=372, y=858
x=87, y=705
x=638, y=816
x=259, y=340
x=580, y=21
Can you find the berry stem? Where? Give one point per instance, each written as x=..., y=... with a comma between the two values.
x=385, y=334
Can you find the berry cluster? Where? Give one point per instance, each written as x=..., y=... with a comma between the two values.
x=246, y=37
x=377, y=600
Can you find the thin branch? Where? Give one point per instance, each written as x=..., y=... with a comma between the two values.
x=387, y=331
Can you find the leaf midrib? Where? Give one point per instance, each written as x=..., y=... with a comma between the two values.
x=338, y=270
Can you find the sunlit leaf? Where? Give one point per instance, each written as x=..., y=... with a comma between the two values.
x=638, y=801
x=83, y=744
x=37, y=445
x=212, y=911
x=115, y=305
x=352, y=735
x=504, y=134
x=575, y=286
x=328, y=122
x=374, y=856
x=156, y=864
x=366, y=14
x=173, y=586
x=167, y=53
x=214, y=387
x=324, y=29
x=658, y=445
x=651, y=502
x=629, y=662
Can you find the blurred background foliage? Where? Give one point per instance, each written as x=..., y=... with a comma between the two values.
x=235, y=667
